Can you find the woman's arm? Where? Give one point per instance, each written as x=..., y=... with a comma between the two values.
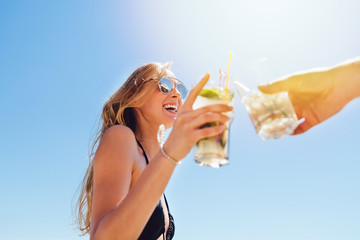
x=117, y=212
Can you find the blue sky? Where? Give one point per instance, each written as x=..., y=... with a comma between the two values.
x=59, y=62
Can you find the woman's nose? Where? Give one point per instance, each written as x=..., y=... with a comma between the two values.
x=175, y=93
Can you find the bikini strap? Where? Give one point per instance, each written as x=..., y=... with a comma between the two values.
x=147, y=160
x=167, y=205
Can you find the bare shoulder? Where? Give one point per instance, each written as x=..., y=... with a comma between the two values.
x=118, y=132
x=114, y=162
x=117, y=145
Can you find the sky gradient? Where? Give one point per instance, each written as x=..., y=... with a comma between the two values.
x=60, y=61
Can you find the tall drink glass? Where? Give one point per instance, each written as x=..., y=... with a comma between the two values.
x=214, y=151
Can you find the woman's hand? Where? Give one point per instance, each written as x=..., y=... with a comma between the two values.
x=186, y=131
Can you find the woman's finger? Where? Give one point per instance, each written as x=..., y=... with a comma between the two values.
x=212, y=108
x=187, y=116
x=208, y=119
x=195, y=92
x=209, y=131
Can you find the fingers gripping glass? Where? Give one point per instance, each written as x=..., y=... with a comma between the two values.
x=166, y=85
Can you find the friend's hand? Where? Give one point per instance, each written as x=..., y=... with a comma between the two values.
x=186, y=131
x=315, y=96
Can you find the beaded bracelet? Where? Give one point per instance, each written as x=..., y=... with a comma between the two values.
x=160, y=138
x=168, y=157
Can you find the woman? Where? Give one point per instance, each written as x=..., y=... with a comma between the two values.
x=122, y=195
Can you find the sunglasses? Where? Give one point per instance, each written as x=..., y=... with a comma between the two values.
x=166, y=85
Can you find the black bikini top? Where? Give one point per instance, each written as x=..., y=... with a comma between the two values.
x=155, y=227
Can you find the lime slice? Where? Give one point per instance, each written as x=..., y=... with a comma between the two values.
x=216, y=93
x=209, y=93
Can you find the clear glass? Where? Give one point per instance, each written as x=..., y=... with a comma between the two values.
x=214, y=151
x=272, y=115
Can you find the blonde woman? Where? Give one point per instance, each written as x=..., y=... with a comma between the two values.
x=122, y=195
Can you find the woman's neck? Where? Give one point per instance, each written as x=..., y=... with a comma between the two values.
x=147, y=136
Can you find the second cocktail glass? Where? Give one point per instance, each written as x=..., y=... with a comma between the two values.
x=272, y=115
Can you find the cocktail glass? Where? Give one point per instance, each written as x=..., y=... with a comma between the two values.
x=272, y=115
x=214, y=151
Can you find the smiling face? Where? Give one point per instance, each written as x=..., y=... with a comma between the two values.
x=160, y=108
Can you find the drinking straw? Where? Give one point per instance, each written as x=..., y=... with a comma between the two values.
x=221, y=74
x=227, y=73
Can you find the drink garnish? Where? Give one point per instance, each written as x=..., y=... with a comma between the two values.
x=213, y=93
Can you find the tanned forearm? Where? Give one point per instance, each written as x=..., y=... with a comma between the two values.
x=348, y=79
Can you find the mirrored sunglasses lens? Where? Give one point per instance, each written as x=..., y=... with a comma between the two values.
x=182, y=90
x=165, y=85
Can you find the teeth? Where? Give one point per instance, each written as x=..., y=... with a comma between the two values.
x=170, y=107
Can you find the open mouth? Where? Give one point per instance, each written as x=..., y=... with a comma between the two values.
x=171, y=108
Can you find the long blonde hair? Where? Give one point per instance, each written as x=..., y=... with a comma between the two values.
x=117, y=110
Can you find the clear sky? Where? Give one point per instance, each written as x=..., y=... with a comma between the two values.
x=60, y=60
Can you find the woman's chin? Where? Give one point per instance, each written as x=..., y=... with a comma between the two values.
x=169, y=118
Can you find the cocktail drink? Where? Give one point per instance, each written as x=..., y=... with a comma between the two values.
x=213, y=151
x=272, y=115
